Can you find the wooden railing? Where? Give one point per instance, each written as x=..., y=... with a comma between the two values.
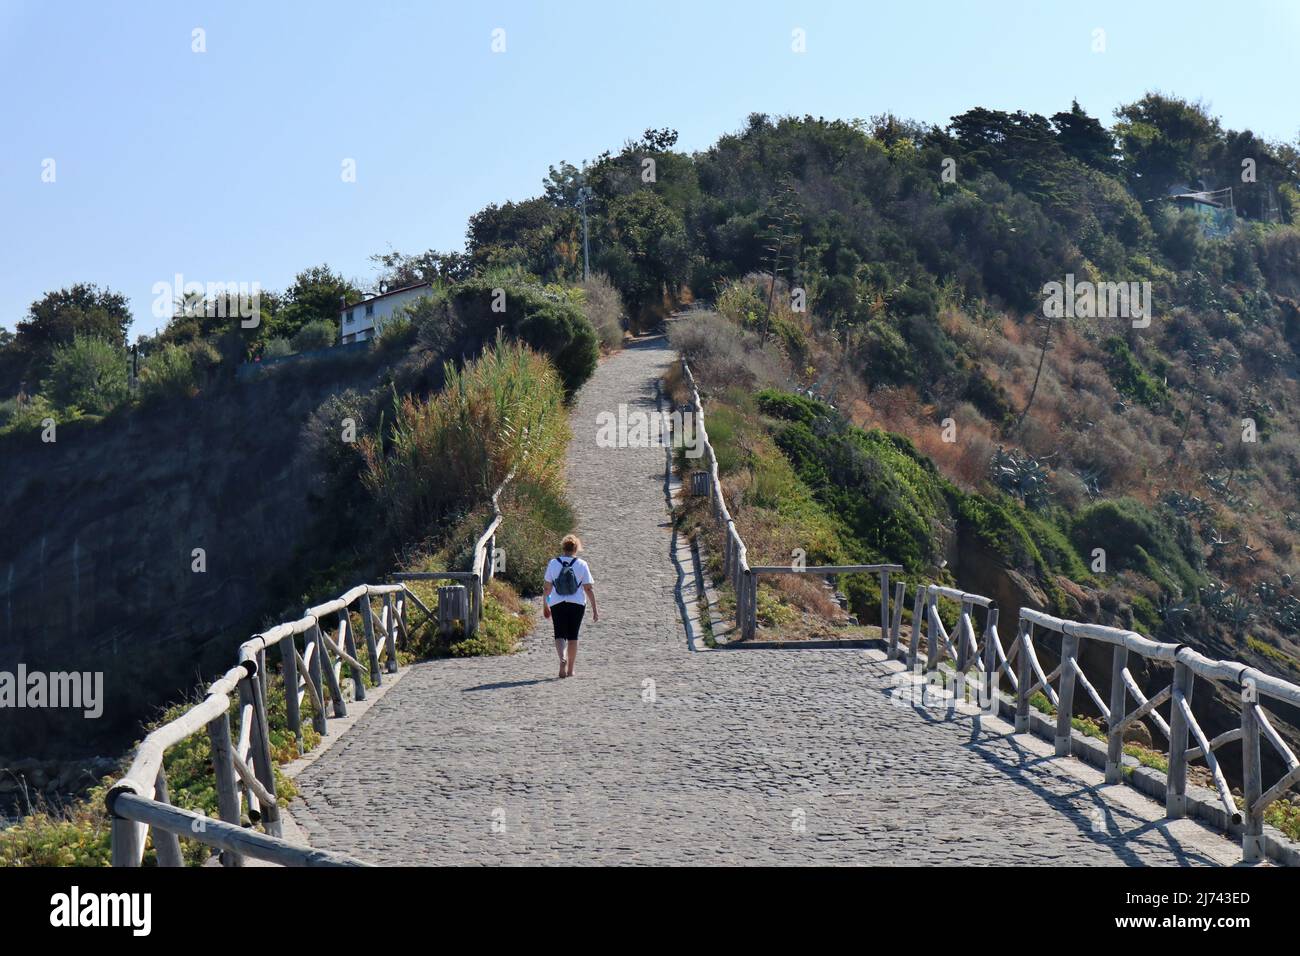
x=987, y=656
x=482, y=566
x=242, y=761
x=1251, y=686
x=984, y=654
x=735, y=557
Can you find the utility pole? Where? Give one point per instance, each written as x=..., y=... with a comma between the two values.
x=583, y=193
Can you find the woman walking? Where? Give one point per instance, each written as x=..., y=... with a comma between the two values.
x=568, y=588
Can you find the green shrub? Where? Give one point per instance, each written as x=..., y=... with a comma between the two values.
x=317, y=334
x=1130, y=378
x=547, y=322
x=741, y=303
x=168, y=374
x=89, y=374
x=1022, y=539
x=276, y=348
x=601, y=304
x=889, y=495
x=1153, y=542
x=397, y=332
x=502, y=412
x=28, y=415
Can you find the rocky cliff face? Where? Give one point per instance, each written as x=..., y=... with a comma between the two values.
x=98, y=532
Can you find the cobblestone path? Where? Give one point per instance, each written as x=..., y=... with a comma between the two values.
x=656, y=755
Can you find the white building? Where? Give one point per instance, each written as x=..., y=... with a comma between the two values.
x=359, y=321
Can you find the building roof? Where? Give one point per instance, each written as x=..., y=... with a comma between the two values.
x=384, y=295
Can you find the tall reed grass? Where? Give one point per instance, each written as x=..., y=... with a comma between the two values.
x=504, y=411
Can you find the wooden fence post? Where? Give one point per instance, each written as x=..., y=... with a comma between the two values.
x=1024, y=677
x=964, y=632
x=250, y=692
x=1252, y=835
x=884, y=605
x=392, y=634
x=900, y=593
x=289, y=668
x=317, y=648
x=399, y=599
x=166, y=844
x=992, y=668
x=918, y=612
x=350, y=645
x=1176, y=793
x=372, y=647
x=1118, y=699
x=749, y=582
x=1065, y=697
x=224, y=769
x=331, y=675
x=475, y=605
x=932, y=639
x=127, y=838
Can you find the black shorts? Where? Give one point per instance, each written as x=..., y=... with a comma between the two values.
x=567, y=618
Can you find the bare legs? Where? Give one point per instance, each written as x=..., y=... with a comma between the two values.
x=573, y=656
x=559, y=650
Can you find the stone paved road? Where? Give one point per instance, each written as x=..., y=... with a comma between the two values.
x=743, y=756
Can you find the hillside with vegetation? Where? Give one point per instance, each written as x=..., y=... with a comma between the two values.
x=1142, y=474
x=884, y=383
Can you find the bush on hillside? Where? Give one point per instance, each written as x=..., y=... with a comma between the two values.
x=722, y=355
x=546, y=322
x=26, y=416
x=889, y=495
x=276, y=348
x=1153, y=542
x=502, y=412
x=317, y=334
x=168, y=374
x=604, y=310
x=89, y=374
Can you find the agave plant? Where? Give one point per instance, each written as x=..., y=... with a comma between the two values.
x=1214, y=598
x=1021, y=475
x=1186, y=506
x=1171, y=609
x=1091, y=482
x=1238, y=611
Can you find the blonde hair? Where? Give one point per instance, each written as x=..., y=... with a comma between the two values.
x=571, y=544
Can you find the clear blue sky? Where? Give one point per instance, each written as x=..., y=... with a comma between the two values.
x=225, y=165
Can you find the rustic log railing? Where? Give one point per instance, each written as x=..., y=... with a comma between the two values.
x=735, y=557
x=1024, y=673
x=1250, y=685
x=967, y=651
x=242, y=762
x=482, y=566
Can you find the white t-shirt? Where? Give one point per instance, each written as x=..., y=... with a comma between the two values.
x=580, y=571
